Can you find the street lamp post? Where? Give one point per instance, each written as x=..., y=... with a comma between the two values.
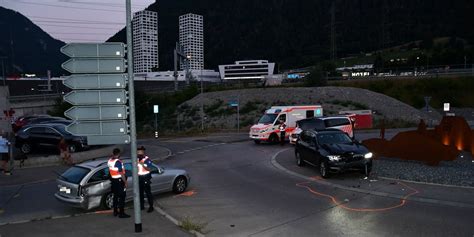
x=202, y=104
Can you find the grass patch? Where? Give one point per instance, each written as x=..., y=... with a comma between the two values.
x=189, y=225
x=457, y=91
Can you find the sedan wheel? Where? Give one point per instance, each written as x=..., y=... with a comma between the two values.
x=323, y=169
x=180, y=184
x=299, y=161
x=25, y=148
x=108, y=201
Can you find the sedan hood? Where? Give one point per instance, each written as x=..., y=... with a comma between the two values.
x=340, y=149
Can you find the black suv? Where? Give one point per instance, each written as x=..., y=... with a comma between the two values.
x=38, y=135
x=332, y=150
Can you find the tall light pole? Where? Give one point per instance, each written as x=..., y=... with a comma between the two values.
x=202, y=105
x=133, y=128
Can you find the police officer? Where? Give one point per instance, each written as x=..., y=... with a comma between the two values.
x=282, y=128
x=144, y=178
x=119, y=183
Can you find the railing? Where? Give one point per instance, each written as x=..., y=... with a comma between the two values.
x=22, y=98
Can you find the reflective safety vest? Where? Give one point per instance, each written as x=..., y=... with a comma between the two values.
x=114, y=171
x=142, y=169
x=282, y=127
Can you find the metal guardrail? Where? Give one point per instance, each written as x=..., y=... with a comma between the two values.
x=20, y=98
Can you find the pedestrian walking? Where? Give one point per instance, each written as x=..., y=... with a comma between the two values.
x=282, y=128
x=64, y=152
x=144, y=178
x=119, y=183
x=382, y=129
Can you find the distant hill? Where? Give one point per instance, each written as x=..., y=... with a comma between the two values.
x=27, y=47
x=297, y=33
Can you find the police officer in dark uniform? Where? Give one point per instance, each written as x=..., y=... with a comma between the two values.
x=144, y=178
x=119, y=183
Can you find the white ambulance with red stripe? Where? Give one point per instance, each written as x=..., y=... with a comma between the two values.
x=267, y=128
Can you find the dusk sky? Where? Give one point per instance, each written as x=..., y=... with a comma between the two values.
x=76, y=20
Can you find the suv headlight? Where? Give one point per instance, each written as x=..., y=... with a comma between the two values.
x=368, y=155
x=334, y=158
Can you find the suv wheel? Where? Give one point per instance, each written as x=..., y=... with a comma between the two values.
x=25, y=148
x=324, y=169
x=72, y=148
x=299, y=161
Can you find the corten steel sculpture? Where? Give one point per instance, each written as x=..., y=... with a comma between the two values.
x=444, y=142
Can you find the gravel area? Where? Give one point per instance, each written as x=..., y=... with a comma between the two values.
x=459, y=172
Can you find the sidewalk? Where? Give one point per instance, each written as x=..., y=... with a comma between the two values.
x=95, y=224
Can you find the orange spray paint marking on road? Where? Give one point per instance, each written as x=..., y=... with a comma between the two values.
x=186, y=194
x=344, y=206
x=103, y=212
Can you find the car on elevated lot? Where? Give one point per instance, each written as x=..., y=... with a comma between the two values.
x=87, y=185
x=332, y=150
x=36, y=136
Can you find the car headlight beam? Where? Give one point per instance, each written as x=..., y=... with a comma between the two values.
x=368, y=155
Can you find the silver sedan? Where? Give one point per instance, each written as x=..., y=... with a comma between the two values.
x=87, y=185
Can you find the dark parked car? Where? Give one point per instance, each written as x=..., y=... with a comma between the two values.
x=47, y=120
x=26, y=119
x=47, y=135
x=332, y=150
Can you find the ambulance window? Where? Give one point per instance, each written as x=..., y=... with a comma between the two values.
x=282, y=117
x=309, y=113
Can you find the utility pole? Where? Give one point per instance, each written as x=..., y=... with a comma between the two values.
x=175, y=73
x=133, y=128
x=238, y=113
x=3, y=71
x=202, y=105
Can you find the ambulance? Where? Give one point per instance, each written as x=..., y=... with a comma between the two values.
x=267, y=128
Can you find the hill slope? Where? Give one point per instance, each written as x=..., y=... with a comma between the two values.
x=27, y=47
x=254, y=102
x=297, y=33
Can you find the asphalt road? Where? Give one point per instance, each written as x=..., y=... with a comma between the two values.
x=236, y=190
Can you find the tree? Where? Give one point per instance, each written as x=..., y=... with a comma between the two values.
x=316, y=77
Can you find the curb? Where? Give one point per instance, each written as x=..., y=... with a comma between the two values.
x=425, y=183
x=375, y=193
x=175, y=221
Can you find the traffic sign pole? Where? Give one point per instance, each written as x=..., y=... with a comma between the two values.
x=133, y=129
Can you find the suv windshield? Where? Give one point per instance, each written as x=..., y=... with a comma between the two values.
x=267, y=118
x=74, y=174
x=333, y=138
